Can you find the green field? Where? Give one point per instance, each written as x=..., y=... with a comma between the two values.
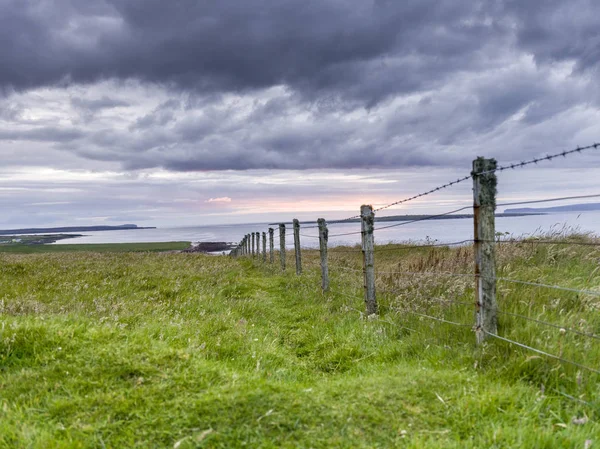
x=143, y=350
x=97, y=247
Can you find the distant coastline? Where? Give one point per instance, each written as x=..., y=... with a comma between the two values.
x=586, y=207
x=71, y=229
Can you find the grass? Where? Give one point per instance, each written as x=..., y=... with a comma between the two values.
x=106, y=350
x=93, y=247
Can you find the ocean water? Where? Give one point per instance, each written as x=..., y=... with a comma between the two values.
x=440, y=231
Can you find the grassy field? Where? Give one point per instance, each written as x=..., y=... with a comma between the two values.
x=105, y=350
x=19, y=248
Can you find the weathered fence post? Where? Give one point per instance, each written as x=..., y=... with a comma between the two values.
x=323, y=238
x=264, y=240
x=368, y=245
x=282, y=245
x=484, y=207
x=253, y=244
x=297, y=249
x=247, y=244
x=271, y=245
x=244, y=246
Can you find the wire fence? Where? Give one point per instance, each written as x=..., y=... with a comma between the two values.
x=450, y=283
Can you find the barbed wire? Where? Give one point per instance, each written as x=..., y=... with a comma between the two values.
x=539, y=351
x=345, y=234
x=538, y=159
x=439, y=300
x=310, y=236
x=549, y=200
x=579, y=149
x=465, y=178
x=420, y=195
x=434, y=245
x=429, y=217
x=346, y=268
x=573, y=398
x=557, y=326
x=555, y=287
x=427, y=273
x=398, y=325
x=401, y=247
x=451, y=274
x=434, y=318
x=406, y=200
x=543, y=242
x=333, y=250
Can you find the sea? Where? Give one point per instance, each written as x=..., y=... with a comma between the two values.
x=427, y=231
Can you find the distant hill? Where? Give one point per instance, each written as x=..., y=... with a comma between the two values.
x=569, y=208
x=70, y=229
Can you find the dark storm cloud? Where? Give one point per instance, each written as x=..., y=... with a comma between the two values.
x=98, y=104
x=355, y=48
x=296, y=84
x=43, y=134
x=555, y=30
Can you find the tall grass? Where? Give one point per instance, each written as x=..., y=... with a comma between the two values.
x=435, y=281
x=185, y=350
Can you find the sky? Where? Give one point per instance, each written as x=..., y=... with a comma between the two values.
x=198, y=112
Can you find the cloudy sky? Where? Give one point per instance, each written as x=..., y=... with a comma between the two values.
x=220, y=111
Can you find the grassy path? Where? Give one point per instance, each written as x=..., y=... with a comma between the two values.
x=186, y=351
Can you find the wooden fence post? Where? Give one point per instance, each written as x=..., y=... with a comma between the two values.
x=368, y=245
x=254, y=244
x=282, y=245
x=484, y=207
x=244, y=246
x=323, y=239
x=264, y=240
x=247, y=244
x=271, y=245
x=297, y=249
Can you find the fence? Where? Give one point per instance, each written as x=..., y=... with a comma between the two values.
x=494, y=319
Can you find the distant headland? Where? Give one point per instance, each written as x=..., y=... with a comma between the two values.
x=586, y=207
x=71, y=229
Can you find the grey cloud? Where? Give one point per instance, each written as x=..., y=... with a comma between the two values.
x=43, y=134
x=160, y=116
x=554, y=30
x=360, y=50
x=98, y=104
x=293, y=84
